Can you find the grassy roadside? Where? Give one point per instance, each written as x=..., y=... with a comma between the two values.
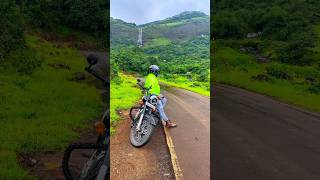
x=186, y=85
x=124, y=93
x=283, y=82
x=44, y=110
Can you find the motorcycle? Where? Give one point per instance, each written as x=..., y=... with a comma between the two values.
x=144, y=118
x=98, y=165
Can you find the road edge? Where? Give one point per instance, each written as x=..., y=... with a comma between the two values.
x=287, y=104
x=174, y=158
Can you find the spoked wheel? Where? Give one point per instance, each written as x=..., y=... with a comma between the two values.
x=134, y=112
x=140, y=138
x=90, y=168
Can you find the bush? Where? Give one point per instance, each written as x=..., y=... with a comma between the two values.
x=279, y=71
x=12, y=28
x=315, y=88
x=24, y=61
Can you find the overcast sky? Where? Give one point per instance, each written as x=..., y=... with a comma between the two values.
x=144, y=11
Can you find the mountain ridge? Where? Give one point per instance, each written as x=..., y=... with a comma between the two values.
x=183, y=26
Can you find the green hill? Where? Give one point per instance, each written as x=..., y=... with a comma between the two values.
x=184, y=26
x=271, y=47
x=178, y=44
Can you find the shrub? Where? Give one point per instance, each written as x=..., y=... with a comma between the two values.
x=12, y=28
x=279, y=71
x=24, y=61
x=315, y=88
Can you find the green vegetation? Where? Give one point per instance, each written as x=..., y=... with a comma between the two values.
x=42, y=109
x=182, y=27
x=159, y=42
x=291, y=84
x=12, y=28
x=81, y=15
x=58, y=19
x=271, y=47
x=180, y=50
x=124, y=93
x=184, y=83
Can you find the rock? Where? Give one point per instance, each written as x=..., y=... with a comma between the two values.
x=261, y=77
x=244, y=69
x=59, y=66
x=79, y=76
x=262, y=59
x=310, y=79
x=30, y=162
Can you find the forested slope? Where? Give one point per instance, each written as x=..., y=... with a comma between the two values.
x=271, y=47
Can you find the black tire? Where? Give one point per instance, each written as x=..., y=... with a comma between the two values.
x=66, y=157
x=147, y=127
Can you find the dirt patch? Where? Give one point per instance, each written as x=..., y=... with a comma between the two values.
x=70, y=40
x=47, y=165
x=152, y=161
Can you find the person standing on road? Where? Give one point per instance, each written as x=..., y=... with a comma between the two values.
x=154, y=88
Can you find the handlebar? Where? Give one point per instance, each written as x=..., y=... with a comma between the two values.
x=96, y=75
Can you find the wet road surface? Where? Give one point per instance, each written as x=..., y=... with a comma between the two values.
x=256, y=137
x=191, y=138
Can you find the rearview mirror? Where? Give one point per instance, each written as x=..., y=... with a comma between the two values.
x=92, y=59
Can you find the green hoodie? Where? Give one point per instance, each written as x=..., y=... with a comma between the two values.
x=152, y=81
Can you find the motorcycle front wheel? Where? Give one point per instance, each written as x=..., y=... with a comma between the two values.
x=92, y=166
x=140, y=138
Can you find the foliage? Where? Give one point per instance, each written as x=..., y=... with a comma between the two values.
x=43, y=111
x=12, y=28
x=297, y=85
x=279, y=72
x=178, y=45
x=289, y=23
x=123, y=95
x=24, y=60
x=79, y=15
x=182, y=27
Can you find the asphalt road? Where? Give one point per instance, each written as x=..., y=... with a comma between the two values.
x=256, y=137
x=191, y=138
